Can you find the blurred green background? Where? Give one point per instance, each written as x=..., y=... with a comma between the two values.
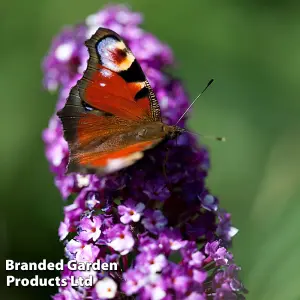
x=251, y=48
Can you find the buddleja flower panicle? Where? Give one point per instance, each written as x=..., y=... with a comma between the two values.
x=156, y=219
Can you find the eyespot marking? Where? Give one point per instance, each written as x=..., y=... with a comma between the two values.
x=114, y=54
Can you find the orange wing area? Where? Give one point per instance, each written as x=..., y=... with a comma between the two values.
x=114, y=159
x=94, y=129
x=108, y=91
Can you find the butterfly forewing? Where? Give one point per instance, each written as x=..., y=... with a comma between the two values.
x=114, y=75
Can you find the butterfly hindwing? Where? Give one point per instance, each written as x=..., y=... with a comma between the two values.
x=112, y=159
x=100, y=143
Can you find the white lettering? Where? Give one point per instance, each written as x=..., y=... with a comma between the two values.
x=81, y=266
x=73, y=281
x=81, y=281
x=17, y=281
x=104, y=266
x=96, y=266
x=34, y=281
x=42, y=266
x=113, y=266
x=25, y=282
x=50, y=266
x=88, y=282
x=9, y=265
x=43, y=281
x=24, y=266
x=72, y=265
x=89, y=266
x=10, y=279
x=51, y=282
x=60, y=265
x=63, y=282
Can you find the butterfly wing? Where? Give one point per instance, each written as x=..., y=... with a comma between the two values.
x=107, y=109
x=114, y=81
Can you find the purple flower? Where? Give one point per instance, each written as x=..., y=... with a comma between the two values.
x=106, y=288
x=151, y=262
x=172, y=238
x=92, y=202
x=90, y=228
x=224, y=293
x=68, y=293
x=156, y=219
x=65, y=184
x=179, y=280
x=203, y=225
x=218, y=254
x=196, y=259
x=147, y=243
x=187, y=251
x=134, y=280
x=199, y=276
x=226, y=279
x=225, y=230
x=157, y=189
x=130, y=211
x=72, y=214
x=63, y=230
x=63, y=59
x=208, y=201
x=195, y=296
x=83, y=252
x=120, y=238
x=155, y=289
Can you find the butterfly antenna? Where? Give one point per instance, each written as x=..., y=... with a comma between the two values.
x=211, y=137
x=209, y=83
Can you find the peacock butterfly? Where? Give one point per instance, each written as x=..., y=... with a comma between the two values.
x=111, y=115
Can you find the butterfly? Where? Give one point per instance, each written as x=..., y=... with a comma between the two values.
x=112, y=114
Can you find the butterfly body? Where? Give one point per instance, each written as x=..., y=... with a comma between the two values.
x=111, y=115
x=149, y=131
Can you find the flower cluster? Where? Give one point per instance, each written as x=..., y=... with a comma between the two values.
x=155, y=219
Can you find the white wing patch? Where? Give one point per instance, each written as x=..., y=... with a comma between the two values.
x=122, y=162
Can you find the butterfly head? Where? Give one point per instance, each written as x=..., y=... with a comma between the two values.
x=172, y=132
